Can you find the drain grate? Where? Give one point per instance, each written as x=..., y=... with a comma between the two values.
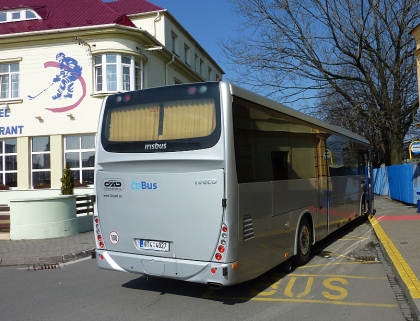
x=45, y=266
x=366, y=258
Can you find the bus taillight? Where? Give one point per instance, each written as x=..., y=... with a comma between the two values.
x=99, y=237
x=222, y=243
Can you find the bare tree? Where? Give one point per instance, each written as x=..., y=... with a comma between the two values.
x=354, y=56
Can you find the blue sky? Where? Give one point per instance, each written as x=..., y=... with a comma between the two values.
x=207, y=21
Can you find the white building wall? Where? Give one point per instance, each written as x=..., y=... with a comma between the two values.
x=36, y=80
x=35, y=113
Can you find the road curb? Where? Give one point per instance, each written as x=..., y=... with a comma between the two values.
x=45, y=260
x=406, y=278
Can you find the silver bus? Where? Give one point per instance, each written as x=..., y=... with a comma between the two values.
x=211, y=183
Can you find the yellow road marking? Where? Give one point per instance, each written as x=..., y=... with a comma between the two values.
x=361, y=304
x=308, y=266
x=404, y=270
x=342, y=291
x=288, y=291
x=340, y=276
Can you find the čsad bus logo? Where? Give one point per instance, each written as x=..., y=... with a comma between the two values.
x=112, y=184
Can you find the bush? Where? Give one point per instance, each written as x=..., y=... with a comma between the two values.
x=67, y=181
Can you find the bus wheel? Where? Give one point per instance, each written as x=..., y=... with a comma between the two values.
x=304, y=243
x=363, y=216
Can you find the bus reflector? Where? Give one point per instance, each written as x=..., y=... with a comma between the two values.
x=286, y=255
x=234, y=265
x=213, y=271
x=218, y=256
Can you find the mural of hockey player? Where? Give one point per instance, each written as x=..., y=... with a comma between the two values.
x=70, y=71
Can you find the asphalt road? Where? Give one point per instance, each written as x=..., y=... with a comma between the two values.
x=346, y=279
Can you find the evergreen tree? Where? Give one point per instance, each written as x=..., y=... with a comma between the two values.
x=67, y=181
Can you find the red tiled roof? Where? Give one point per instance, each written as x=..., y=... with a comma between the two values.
x=73, y=13
x=133, y=7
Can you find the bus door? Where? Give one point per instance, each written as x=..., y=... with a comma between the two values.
x=365, y=170
x=324, y=187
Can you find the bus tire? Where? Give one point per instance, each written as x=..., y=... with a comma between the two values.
x=363, y=216
x=304, y=243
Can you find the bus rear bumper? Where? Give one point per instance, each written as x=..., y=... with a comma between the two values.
x=222, y=274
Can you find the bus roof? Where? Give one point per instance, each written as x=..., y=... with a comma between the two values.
x=258, y=99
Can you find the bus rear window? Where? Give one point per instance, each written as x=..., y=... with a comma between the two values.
x=174, y=120
x=147, y=122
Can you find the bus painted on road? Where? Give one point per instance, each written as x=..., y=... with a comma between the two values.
x=211, y=183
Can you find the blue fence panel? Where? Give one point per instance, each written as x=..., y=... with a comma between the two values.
x=380, y=181
x=416, y=182
x=401, y=187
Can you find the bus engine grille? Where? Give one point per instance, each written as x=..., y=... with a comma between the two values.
x=248, y=227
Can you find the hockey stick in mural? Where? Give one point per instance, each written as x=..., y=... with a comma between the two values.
x=32, y=97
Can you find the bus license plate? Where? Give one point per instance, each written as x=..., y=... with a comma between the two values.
x=154, y=245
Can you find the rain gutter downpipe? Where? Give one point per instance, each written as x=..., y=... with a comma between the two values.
x=166, y=69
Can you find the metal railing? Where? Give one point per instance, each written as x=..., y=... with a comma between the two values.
x=84, y=205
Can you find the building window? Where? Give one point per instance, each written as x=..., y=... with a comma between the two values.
x=18, y=15
x=115, y=72
x=201, y=67
x=209, y=72
x=186, y=54
x=79, y=152
x=41, y=165
x=174, y=38
x=8, y=162
x=9, y=80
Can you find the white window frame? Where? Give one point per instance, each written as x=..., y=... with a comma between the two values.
x=34, y=153
x=196, y=65
x=201, y=67
x=100, y=71
x=4, y=154
x=23, y=15
x=8, y=79
x=80, y=150
x=174, y=40
x=186, y=54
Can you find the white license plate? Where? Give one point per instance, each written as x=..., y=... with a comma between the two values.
x=154, y=245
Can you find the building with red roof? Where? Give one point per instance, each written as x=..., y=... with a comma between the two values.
x=58, y=60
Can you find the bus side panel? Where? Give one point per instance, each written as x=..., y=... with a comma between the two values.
x=255, y=221
x=344, y=201
x=290, y=199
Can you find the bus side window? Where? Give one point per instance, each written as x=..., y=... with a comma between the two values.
x=280, y=165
